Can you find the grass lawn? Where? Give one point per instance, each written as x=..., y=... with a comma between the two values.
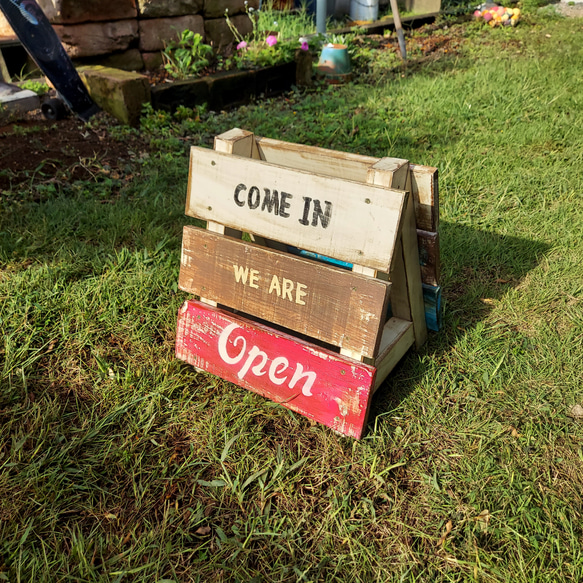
x=120, y=463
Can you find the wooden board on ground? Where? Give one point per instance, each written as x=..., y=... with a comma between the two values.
x=317, y=383
x=346, y=220
x=331, y=304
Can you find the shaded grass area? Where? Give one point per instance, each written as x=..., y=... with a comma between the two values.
x=120, y=463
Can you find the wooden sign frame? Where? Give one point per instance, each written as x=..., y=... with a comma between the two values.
x=359, y=212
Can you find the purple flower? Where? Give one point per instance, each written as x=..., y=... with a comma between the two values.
x=271, y=40
x=242, y=45
x=304, y=46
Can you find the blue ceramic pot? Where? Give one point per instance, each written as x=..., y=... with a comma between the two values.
x=334, y=63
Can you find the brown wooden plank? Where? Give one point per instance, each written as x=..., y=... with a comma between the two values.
x=425, y=191
x=320, y=301
x=429, y=258
x=346, y=220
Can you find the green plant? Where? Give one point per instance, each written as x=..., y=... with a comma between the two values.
x=187, y=57
x=39, y=87
x=275, y=36
x=120, y=463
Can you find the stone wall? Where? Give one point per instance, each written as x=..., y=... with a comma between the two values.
x=130, y=34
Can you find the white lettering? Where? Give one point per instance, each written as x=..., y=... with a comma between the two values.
x=257, y=369
x=254, y=276
x=256, y=361
x=282, y=363
x=275, y=285
x=224, y=338
x=241, y=273
x=300, y=293
x=288, y=286
x=310, y=377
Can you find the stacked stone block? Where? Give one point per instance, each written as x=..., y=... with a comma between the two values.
x=130, y=34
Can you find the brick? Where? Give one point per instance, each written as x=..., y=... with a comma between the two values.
x=155, y=33
x=120, y=93
x=216, y=8
x=78, y=11
x=165, y=8
x=87, y=40
x=130, y=60
x=218, y=33
x=152, y=61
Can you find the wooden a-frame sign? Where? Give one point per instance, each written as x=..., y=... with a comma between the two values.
x=317, y=338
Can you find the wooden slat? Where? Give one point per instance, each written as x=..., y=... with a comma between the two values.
x=429, y=259
x=341, y=165
x=433, y=307
x=237, y=142
x=314, y=382
x=397, y=338
x=424, y=186
x=413, y=272
x=330, y=304
x=407, y=285
x=338, y=218
x=425, y=191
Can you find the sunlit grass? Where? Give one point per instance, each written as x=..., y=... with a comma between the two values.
x=120, y=463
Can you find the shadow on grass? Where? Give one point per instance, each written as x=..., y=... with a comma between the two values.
x=478, y=268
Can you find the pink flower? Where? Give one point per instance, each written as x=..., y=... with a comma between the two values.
x=242, y=45
x=304, y=46
x=271, y=40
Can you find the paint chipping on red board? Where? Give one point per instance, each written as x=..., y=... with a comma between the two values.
x=324, y=386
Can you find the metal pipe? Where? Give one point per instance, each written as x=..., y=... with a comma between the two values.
x=321, y=7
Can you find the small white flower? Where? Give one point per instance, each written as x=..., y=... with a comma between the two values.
x=274, y=23
x=246, y=2
x=251, y=9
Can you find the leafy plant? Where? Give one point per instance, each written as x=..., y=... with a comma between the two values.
x=39, y=87
x=275, y=36
x=188, y=57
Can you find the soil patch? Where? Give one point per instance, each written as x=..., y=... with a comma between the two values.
x=36, y=149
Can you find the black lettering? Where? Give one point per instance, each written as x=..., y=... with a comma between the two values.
x=251, y=201
x=270, y=202
x=284, y=205
x=239, y=188
x=304, y=219
x=324, y=216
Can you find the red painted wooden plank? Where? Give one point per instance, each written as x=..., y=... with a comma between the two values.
x=320, y=384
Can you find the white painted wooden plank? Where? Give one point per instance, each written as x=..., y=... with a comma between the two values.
x=342, y=165
x=349, y=166
x=343, y=219
x=397, y=338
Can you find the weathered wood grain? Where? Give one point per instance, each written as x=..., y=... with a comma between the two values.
x=343, y=165
x=406, y=280
x=314, y=382
x=338, y=218
x=425, y=191
x=433, y=307
x=424, y=179
x=429, y=258
x=309, y=297
x=397, y=338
